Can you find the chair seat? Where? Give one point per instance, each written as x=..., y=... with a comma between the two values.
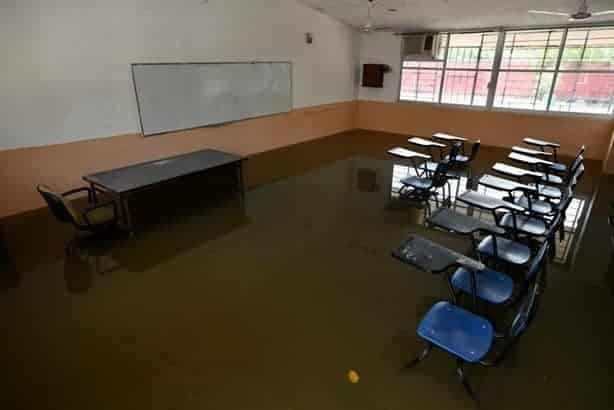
x=525, y=224
x=537, y=206
x=459, y=158
x=431, y=166
x=550, y=191
x=100, y=216
x=491, y=286
x=417, y=182
x=507, y=250
x=558, y=167
x=457, y=331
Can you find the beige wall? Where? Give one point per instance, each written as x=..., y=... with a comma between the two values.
x=496, y=128
x=63, y=165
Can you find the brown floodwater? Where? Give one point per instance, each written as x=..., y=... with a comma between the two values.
x=268, y=305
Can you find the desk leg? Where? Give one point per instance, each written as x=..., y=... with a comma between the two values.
x=241, y=183
x=127, y=219
x=94, y=196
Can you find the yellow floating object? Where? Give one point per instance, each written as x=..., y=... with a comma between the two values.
x=353, y=376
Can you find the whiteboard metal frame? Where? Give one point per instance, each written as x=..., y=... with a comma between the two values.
x=220, y=124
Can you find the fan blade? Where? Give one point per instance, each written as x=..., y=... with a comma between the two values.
x=603, y=13
x=550, y=13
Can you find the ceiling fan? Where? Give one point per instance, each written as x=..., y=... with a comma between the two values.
x=583, y=13
x=369, y=25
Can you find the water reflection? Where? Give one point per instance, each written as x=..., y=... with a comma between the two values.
x=9, y=276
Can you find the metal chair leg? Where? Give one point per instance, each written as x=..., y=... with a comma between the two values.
x=420, y=358
x=461, y=377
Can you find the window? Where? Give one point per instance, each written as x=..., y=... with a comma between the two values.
x=562, y=70
x=585, y=81
x=469, y=62
x=527, y=69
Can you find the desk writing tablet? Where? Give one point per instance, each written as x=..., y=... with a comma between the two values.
x=515, y=171
x=462, y=224
x=541, y=143
x=431, y=257
x=447, y=137
x=502, y=184
x=527, y=159
x=425, y=143
x=406, y=153
x=529, y=151
x=486, y=202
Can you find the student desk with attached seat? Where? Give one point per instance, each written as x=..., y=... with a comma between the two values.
x=428, y=144
x=542, y=145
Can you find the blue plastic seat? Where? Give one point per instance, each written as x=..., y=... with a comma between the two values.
x=552, y=179
x=492, y=286
x=537, y=206
x=457, y=331
x=550, y=191
x=558, y=167
x=506, y=250
x=524, y=224
x=459, y=158
x=417, y=182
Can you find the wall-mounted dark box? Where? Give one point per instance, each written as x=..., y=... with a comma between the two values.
x=373, y=75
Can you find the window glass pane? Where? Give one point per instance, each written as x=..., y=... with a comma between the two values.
x=583, y=92
x=472, y=50
x=466, y=87
x=423, y=64
x=598, y=53
x=531, y=50
x=420, y=85
x=489, y=49
x=524, y=89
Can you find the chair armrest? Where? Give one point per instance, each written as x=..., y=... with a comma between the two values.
x=90, y=197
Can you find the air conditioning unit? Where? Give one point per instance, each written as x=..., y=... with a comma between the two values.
x=420, y=47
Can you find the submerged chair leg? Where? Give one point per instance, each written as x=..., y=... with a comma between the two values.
x=420, y=358
x=461, y=377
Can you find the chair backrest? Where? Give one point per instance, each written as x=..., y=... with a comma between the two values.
x=59, y=206
x=439, y=176
x=576, y=175
x=454, y=150
x=538, y=261
x=581, y=151
x=527, y=308
x=474, y=150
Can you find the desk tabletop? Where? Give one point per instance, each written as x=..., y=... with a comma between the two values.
x=407, y=153
x=529, y=151
x=527, y=159
x=425, y=143
x=541, y=143
x=447, y=137
x=515, y=171
x=432, y=257
x=133, y=177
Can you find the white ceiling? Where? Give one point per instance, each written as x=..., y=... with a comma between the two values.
x=454, y=14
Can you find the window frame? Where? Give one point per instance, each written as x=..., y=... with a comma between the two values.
x=496, y=69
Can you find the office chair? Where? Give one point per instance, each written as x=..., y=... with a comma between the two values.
x=96, y=217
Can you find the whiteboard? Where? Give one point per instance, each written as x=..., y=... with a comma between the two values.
x=179, y=96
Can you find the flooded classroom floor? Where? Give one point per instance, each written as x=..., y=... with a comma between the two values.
x=267, y=305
